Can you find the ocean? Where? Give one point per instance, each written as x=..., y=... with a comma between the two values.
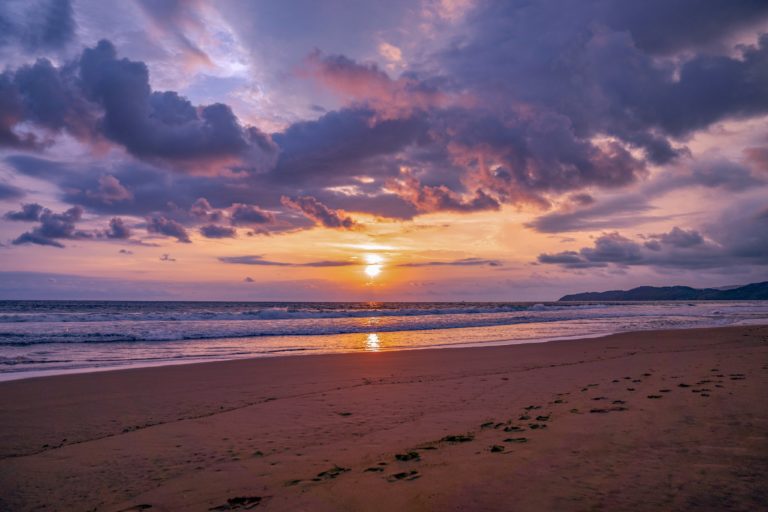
x=53, y=337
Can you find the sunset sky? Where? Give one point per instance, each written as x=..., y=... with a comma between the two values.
x=380, y=150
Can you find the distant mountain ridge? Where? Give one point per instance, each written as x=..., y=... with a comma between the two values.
x=754, y=291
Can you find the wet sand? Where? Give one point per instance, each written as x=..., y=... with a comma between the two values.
x=666, y=420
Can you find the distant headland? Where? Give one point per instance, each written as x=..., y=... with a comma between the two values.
x=754, y=291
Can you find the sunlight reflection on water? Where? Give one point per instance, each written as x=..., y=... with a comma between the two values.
x=372, y=342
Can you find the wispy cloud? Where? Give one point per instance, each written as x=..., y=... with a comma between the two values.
x=464, y=262
x=259, y=260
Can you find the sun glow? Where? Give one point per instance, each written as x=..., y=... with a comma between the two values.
x=374, y=264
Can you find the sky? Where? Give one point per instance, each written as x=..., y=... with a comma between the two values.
x=420, y=150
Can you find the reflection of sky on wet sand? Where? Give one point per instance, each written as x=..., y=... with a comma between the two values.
x=372, y=342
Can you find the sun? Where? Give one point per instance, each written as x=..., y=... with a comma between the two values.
x=374, y=264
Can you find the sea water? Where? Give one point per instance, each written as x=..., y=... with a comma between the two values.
x=50, y=337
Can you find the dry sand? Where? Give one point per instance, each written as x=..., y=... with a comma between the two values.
x=668, y=420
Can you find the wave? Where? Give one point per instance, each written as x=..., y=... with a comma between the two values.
x=282, y=312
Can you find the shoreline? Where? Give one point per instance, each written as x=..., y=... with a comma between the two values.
x=325, y=433
x=44, y=373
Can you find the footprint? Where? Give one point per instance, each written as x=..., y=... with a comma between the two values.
x=516, y=440
x=496, y=448
x=654, y=396
x=239, y=502
x=460, y=438
x=405, y=457
x=331, y=473
x=405, y=476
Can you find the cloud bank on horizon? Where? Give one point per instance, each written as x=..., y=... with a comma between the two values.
x=620, y=139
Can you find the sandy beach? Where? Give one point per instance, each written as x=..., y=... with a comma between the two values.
x=665, y=420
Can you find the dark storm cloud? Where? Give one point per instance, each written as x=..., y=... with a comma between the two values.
x=215, y=231
x=29, y=212
x=464, y=262
x=603, y=74
x=160, y=124
x=318, y=212
x=47, y=24
x=260, y=261
x=103, y=95
x=47, y=97
x=533, y=101
x=168, y=227
x=338, y=145
x=54, y=227
x=655, y=24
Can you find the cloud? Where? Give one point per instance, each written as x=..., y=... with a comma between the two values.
x=367, y=83
x=176, y=18
x=118, y=229
x=53, y=227
x=539, y=104
x=739, y=238
x=248, y=214
x=214, y=231
x=321, y=214
x=680, y=237
x=161, y=124
x=8, y=191
x=249, y=280
x=29, y=212
x=110, y=191
x=725, y=174
x=125, y=251
x=260, y=261
x=168, y=227
x=46, y=24
x=439, y=198
x=341, y=145
x=625, y=210
x=464, y=262
x=167, y=257
x=101, y=95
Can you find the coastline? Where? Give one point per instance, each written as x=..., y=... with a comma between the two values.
x=193, y=436
x=492, y=341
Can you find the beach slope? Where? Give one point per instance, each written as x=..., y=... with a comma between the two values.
x=666, y=420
